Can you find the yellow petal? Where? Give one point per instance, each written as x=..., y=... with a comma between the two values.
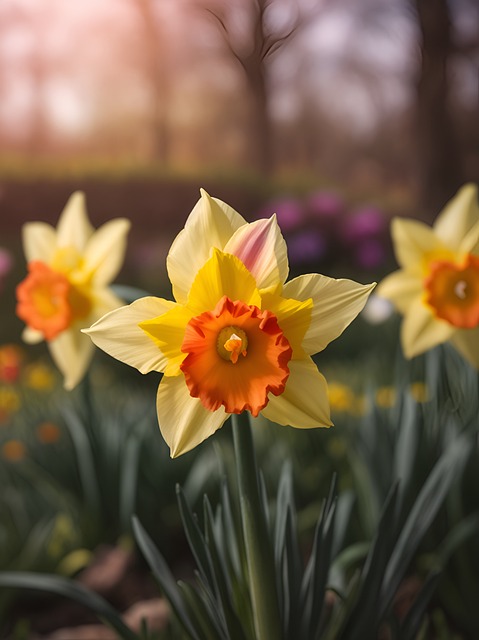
x=105, y=251
x=118, y=333
x=39, y=241
x=304, y=404
x=421, y=331
x=458, y=217
x=210, y=224
x=415, y=243
x=262, y=249
x=401, y=288
x=167, y=332
x=72, y=353
x=74, y=228
x=104, y=301
x=335, y=305
x=470, y=243
x=184, y=421
x=294, y=318
x=222, y=275
x=466, y=342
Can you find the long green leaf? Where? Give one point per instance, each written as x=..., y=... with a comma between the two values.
x=421, y=516
x=74, y=591
x=163, y=575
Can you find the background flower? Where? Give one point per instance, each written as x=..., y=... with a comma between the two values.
x=66, y=288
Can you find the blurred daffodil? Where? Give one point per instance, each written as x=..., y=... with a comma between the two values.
x=238, y=338
x=437, y=286
x=66, y=289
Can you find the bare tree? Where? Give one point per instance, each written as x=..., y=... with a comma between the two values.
x=253, y=32
x=439, y=165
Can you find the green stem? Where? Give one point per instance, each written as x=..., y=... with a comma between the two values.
x=258, y=548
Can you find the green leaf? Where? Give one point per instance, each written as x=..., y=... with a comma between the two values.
x=72, y=590
x=421, y=516
x=413, y=621
x=163, y=575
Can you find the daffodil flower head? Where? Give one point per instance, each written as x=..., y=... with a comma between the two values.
x=238, y=337
x=437, y=285
x=66, y=289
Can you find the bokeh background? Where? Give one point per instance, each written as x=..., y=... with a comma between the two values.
x=336, y=115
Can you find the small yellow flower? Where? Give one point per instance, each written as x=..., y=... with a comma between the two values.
x=238, y=338
x=39, y=376
x=66, y=287
x=386, y=397
x=13, y=451
x=341, y=397
x=437, y=286
x=419, y=392
x=9, y=402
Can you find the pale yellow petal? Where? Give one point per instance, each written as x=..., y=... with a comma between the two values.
x=421, y=330
x=39, y=241
x=458, y=217
x=32, y=336
x=222, y=275
x=184, y=421
x=210, y=224
x=167, y=331
x=104, y=301
x=470, y=243
x=466, y=342
x=72, y=352
x=415, y=244
x=74, y=228
x=118, y=333
x=335, y=305
x=105, y=251
x=304, y=404
x=401, y=288
x=294, y=318
x=262, y=249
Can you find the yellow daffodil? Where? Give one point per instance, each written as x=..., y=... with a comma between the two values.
x=66, y=289
x=437, y=286
x=238, y=338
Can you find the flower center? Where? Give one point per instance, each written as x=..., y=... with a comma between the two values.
x=232, y=341
x=216, y=339
x=452, y=290
x=48, y=302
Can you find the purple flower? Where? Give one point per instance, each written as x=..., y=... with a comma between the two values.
x=306, y=246
x=325, y=205
x=364, y=223
x=290, y=213
x=370, y=254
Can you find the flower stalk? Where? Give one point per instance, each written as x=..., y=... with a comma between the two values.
x=259, y=558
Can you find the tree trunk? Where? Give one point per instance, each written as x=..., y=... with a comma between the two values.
x=439, y=170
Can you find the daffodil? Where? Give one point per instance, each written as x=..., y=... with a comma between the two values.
x=66, y=289
x=437, y=286
x=238, y=336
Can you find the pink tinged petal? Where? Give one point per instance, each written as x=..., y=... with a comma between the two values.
x=184, y=421
x=414, y=241
x=39, y=241
x=466, y=341
x=118, y=333
x=458, y=217
x=105, y=251
x=401, y=288
x=210, y=224
x=304, y=403
x=72, y=353
x=74, y=228
x=421, y=331
x=262, y=249
x=335, y=305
